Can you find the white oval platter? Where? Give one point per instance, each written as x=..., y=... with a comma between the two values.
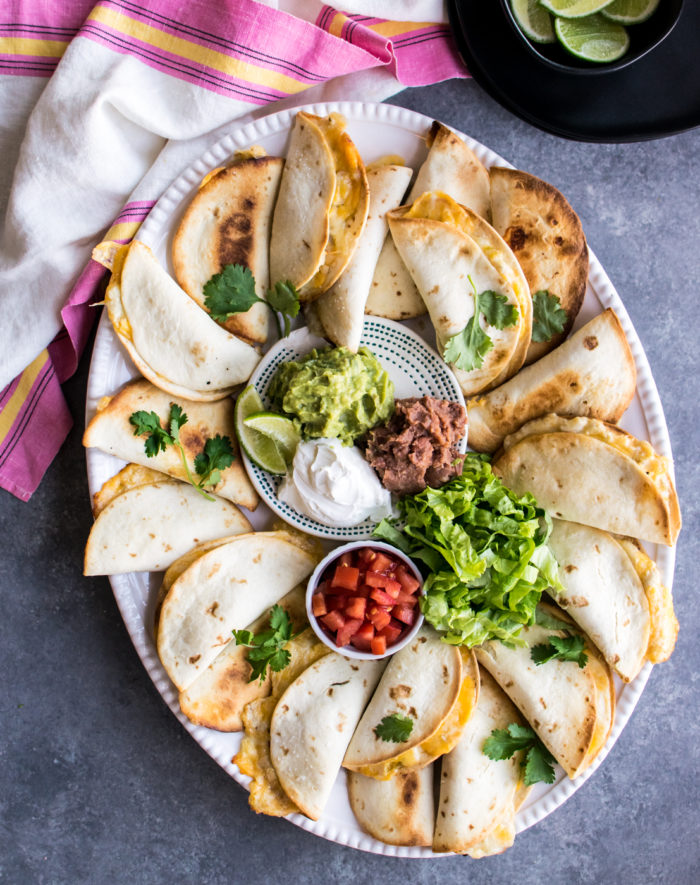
x=377, y=130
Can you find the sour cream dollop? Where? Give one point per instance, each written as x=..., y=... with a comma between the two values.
x=334, y=485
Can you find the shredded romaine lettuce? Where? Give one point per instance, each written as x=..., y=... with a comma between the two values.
x=484, y=552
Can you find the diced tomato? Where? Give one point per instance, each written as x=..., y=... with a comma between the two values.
x=404, y=614
x=348, y=630
x=374, y=579
x=391, y=633
x=361, y=644
x=409, y=583
x=381, y=597
x=345, y=558
x=378, y=645
x=335, y=603
x=346, y=576
x=392, y=588
x=406, y=599
x=318, y=605
x=333, y=620
x=356, y=607
x=380, y=620
x=382, y=562
x=363, y=590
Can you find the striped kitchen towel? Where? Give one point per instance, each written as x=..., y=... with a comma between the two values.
x=102, y=104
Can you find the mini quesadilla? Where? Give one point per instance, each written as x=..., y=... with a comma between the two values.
x=435, y=686
x=313, y=723
x=454, y=256
x=400, y=811
x=253, y=758
x=146, y=528
x=479, y=796
x=584, y=470
x=617, y=598
x=171, y=339
x=592, y=375
x=111, y=432
x=127, y=478
x=225, y=589
x=570, y=708
x=546, y=236
x=321, y=208
x=217, y=697
x=228, y=222
x=450, y=167
x=341, y=309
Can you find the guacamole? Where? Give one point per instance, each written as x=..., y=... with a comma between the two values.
x=333, y=393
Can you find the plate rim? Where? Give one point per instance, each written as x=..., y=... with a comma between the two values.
x=126, y=587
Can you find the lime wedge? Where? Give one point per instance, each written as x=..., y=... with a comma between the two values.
x=593, y=38
x=630, y=12
x=279, y=429
x=261, y=449
x=534, y=20
x=574, y=8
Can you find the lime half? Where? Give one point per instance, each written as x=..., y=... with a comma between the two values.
x=630, y=12
x=261, y=449
x=534, y=20
x=277, y=428
x=593, y=38
x=574, y=8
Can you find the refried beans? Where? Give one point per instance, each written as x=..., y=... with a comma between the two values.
x=417, y=446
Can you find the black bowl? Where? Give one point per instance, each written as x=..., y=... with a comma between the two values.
x=643, y=38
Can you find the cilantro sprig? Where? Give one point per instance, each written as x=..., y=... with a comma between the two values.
x=266, y=648
x=216, y=456
x=561, y=648
x=232, y=291
x=548, y=316
x=467, y=348
x=537, y=762
x=396, y=728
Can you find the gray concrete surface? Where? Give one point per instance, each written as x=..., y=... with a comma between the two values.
x=100, y=784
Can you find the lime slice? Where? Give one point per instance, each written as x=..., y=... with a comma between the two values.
x=574, y=8
x=593, y=38
x=261, y=449
x=630, y=12
x=534, y=20
x=279, y=429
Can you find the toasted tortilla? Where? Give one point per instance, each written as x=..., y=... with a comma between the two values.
x=592, y=374
x=313, y=723
x=128, y=477
x=228, y=222
x=399, y=811
x=217, y=697
x=321, y=207
x=450, y=167
x=341, y=309
x=434, y=684
x=545, y=234
x=479, y=796
x=172, y=341
x=571, y=709
x=223, y=590
x=444, y=246
x=146, y=528
x=110, y=431
x=584, y=470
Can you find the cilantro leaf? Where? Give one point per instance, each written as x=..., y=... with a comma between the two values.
x=396, y=728
x=230, y=291
x=284, y=299
x=158, y=438
x=548, y=316
x=216, y=456
x=177, y=419
x=497, y=311
x=266, y=647
x=538, y=761
x=562, y=648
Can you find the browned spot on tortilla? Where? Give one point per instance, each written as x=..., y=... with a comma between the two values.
x=515, y=237
x=570, y=568
x=212, y=608
x=590, y=342
x=194, y=659
x=400, y=691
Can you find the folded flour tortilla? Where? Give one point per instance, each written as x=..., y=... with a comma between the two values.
x=171, y=339
x=398, y=811
x=450, y=167
x=584, y=470
x=571, y=709
x=592, y=375
x=228, y=222
x=321, y=207
x=313, y=723
x=479, y=796
x=110, y=431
